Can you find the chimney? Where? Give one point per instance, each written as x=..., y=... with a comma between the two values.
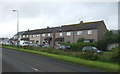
x=47, y=26
x=28, y=30
x=81, y=22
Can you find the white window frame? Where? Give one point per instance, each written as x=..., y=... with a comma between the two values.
x=26, y=35
x=68, y=33
x=48, y=34
x=23, y=36
x=37, y=35
x=89, y=31
x=79, y=32
x=43, y=35
x=61, y=34
x=33, y=36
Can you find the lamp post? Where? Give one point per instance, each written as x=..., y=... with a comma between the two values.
x=17, y=27
x=62, y=36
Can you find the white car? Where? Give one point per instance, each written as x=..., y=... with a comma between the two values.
x=24, y=43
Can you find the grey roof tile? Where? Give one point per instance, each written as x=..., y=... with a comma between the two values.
x=65, y=28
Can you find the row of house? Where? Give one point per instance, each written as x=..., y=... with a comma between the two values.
x=90, y=31
x=5, y=41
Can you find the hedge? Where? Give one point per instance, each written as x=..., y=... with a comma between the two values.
x=79, y=46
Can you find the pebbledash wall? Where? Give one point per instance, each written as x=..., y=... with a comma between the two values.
x=91, y=31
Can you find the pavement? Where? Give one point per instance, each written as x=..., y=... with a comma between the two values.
x=18, y=61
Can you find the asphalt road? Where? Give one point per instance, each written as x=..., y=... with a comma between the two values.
x=17, y=61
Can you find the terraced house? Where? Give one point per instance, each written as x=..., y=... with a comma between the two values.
x=90, y=31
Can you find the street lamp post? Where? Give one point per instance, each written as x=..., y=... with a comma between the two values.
x=17, y=27
x=62, y=36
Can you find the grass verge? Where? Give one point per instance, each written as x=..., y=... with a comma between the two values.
x=109, y=67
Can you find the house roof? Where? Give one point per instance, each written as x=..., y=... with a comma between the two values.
x=21, y=33
x=65, y=28
x=82, y=26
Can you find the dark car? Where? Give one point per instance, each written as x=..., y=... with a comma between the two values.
x=91, y=49
x=63, y=47
x=40, y=45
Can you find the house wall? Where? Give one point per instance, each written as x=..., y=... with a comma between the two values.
x=57, y=34
x=68, y=38
x=46, y=35
x=86, y=35
x=97, y=34
x=72, y=39
x=20, y=37
x=35, y=38
x=101, y=31
x=15, y=36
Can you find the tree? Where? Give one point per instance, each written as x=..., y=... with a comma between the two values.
x=102, y=44
x=109, y=37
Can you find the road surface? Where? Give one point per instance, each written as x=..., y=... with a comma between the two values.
x=17, y=61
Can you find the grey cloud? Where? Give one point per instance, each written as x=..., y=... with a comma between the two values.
x=61, y=13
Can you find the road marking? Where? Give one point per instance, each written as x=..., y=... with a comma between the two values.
x=35, y=69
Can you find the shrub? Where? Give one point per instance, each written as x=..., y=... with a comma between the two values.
x=89, y=56
x=109, y=37
x=79, y=46
x=103, y=58
x=115, y=57
x=102, y=45
x=80, y=40
x=30, y=47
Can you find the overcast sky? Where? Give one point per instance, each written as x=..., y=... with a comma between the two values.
x=37, y=15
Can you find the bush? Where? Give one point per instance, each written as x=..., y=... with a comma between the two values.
x=103, y=58
x=30, y=47
x=89, y=56
x=79, y=46
x=80, y=40
x=101, y=45
x=109, y=37
x=115, y=57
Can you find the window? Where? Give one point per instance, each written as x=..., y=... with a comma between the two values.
x=60, y=34
x=26, y=35
x=89, y=31
x=79, y=32
x=68, y=33
x=23, y=36
x=43, y=35
x=48, y=34
x=37, y=35
x=33, y=35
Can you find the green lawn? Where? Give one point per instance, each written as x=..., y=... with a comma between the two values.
x=109, y=67
x=108, y=53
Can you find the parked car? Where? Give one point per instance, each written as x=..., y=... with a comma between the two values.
x=47, y=46
x=40, y=45
x=63, y=47
x=91, y=49
x=24, y=43
x=31, y=44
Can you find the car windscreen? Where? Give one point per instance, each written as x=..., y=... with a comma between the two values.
x=87, y=48
x=26, y=42
x=94, y=48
